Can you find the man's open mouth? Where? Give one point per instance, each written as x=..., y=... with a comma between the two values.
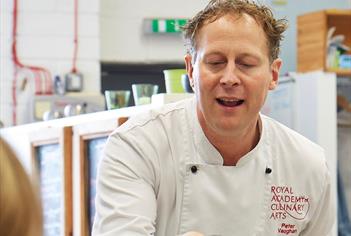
x=228, y=102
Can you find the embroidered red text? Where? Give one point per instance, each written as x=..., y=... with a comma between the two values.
x=285, y=203
x=287, y=229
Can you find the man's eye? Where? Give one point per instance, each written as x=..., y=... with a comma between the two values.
x=246, y=65
x=216, y=62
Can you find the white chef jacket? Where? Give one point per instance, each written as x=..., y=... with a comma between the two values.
x=161, y=176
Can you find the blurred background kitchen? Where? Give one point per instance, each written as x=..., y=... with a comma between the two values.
x=64, y=58
x=55, y=53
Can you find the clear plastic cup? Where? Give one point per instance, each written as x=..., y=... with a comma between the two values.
x=142, y=93
x=117, y=98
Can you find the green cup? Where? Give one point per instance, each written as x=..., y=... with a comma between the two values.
x=173, y=80
x=117, y=98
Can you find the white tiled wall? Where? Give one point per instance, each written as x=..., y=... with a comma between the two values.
x=6, y=67
x=45, y=38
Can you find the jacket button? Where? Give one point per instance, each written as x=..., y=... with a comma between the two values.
x=193, y=169
x=268, y=170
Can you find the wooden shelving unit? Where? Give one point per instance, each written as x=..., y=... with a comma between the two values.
x=312, y=31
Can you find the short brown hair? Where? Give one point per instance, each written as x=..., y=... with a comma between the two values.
x=215, y=9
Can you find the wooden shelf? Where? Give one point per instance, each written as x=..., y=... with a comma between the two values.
x=338, y=12
x=340, y=72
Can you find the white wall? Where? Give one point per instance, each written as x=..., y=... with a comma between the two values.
x=122, y=38
x=45, y=38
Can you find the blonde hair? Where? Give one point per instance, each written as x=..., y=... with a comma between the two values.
x=273, y=28
x=20, y=209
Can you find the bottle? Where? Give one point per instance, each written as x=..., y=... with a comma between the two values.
x=59, y=87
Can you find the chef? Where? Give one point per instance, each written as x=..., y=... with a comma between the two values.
x=214, y=165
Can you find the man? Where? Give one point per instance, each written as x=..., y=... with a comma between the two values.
x=214, y=164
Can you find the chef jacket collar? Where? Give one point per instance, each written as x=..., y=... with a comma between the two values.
x=206, y=153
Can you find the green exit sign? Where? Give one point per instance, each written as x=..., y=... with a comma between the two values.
x=164, y=25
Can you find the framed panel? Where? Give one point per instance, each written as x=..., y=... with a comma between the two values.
x=51, y=155
x=89, y=141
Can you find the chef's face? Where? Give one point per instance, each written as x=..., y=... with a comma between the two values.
x=231, y=74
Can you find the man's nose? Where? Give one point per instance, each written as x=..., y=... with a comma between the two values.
x=230, y=77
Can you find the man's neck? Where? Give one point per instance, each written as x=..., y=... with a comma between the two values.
x=232, y=148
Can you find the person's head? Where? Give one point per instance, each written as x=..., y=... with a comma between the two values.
x=232, y=62
x=20, y=210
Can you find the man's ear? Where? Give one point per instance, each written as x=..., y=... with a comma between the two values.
x=275, y=69
x=189, y=68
